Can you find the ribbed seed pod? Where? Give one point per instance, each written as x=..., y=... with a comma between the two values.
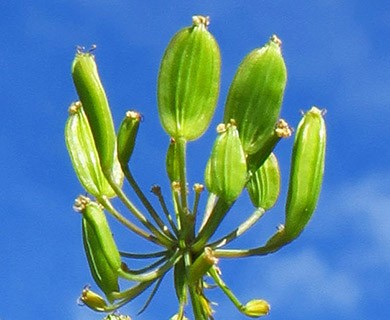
x=264, y=185
x=256, y=160
x=100, y=248
x=171, y=162
x=127, y=135
x=225, y=173
x=255, y=95
x=188, y=81
x=307, y=168
x=84, y=156
x=93, y=97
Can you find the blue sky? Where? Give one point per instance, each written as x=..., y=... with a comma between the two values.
x=337, y=57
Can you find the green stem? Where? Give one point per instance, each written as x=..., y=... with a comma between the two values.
x=151, y=275
x=194, y=295
x=182, y=151
x=243, y=227
x=143, y=255
x=129, y=294
x=110, y=208
x=162, y=238
x=152, y=294
x=218, y=213
x=157, y=192
x=237, y=253
x=196, y=304
x=229, y=293
x=148, y=267
x=273, y=244
x=145, y=201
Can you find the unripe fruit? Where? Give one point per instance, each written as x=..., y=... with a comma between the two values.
x=264, y=185
x=127, y=135
x=256, y=94
x=307, y=169
x=188, y=81
x=100, y=248
x=226, y=173
x=84, y=156
x=93, y=98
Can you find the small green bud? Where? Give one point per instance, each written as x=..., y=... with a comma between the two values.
x=188, y=81
x=93, y=300
x=93, y=98
x=256, y=308
x=100, y=248
x=264, y=186
x=255, y=95
x=127, y=135
x=226, y=173
x=307, y=169
x=84, y=156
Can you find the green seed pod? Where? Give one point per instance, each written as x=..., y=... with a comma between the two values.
x=93, y=97
x=188, y=81
x=100, y=248
x=264, y=185
x=225, y=173
x=255, y=95
x=84, y=156
x=171, y=162
x=307, y=168
x=127, y=135
x=256, y=160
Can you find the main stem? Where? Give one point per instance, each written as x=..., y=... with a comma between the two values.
x=183, y=208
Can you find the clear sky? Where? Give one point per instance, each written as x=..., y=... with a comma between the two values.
x=337, y=54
